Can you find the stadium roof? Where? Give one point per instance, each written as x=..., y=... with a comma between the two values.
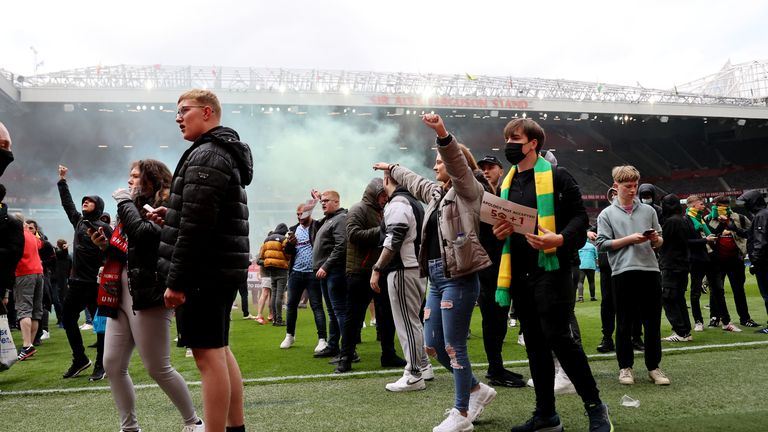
x=743, y=80
x=245, y=85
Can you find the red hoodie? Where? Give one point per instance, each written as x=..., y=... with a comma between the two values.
x=30, y=262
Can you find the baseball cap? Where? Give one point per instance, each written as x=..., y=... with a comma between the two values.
x=491, y=160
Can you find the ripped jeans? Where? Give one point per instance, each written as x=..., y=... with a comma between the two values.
x=447, y=315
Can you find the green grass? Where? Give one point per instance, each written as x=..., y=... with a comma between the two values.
x=713, y=389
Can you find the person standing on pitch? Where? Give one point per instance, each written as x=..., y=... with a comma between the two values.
x=204, y=250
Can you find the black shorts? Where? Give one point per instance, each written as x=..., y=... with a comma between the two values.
x=203, y=320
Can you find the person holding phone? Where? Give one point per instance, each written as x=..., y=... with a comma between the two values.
x=83, y=284
x=629, y=231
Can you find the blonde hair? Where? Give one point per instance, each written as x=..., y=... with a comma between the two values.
x=205, y=97
x=332, y=194
x=692, y=199
x=625, y=173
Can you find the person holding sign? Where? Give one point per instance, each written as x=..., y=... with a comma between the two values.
x=451, y=255
x=539, y=278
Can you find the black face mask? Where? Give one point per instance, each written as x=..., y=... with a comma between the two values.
x=514, y=153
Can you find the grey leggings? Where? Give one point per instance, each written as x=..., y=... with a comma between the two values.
x=149, y=331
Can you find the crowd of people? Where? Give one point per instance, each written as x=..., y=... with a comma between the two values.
x=413, y=246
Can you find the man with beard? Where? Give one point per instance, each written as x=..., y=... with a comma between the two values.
x=83, y=285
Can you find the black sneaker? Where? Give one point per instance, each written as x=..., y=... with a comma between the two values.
x=599, y=421
x=98, y=373
x=76, y=368
x=638, y=345
x=506, y=379
x=26, y=352
x=540, y=424
x=763, y=331
x=337, y=359
x=714, y=322
x=392, y=362
x=327, y=352
x=343, y=366
x=606, y=345
x=749, y=323
x=503, y=372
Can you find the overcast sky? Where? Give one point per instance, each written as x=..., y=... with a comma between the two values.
x=656, y=43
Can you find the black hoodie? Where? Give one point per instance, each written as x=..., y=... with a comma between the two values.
x=646, y=189
x=11, y=248
x=674, y=254
x=757, y=243
x=86, y=256
x=204, y=245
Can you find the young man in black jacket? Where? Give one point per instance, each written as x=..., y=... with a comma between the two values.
x=674, y=264
x=11, y=250
x=757, y=242
x=544, y=294
x=83, y=284
x=204, y=249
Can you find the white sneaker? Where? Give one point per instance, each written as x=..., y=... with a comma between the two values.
x=674, y=337
x=86, y=326
x=730, y=327
x=287, y=342
x=407, y=383
x=427, y=372
x=373, y=323
x=189, y=353
x=529, y=383
x=454, y=422
x=563, y=384
x=321, y=345
x=478, y=399
x=195, y=427
x=699, y=326
x=249, y=317
x=521, y=340
x=45, y=335
x=512, y=322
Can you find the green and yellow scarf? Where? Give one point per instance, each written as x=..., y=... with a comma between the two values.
x=698, y=221
x=545, y=203
x=719, y=210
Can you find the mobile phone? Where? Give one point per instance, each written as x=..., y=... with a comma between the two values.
x=648, y=232
x=148, y=208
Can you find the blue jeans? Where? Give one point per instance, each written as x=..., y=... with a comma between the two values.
x=446, y=326
x=334, y=288
x=297, y=283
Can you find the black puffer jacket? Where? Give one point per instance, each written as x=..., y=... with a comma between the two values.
x=204, y=245
x=11, y=248
x=86, y=256
x=143, y=240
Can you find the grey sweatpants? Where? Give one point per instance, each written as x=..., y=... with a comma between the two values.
x=149, y=331
x=406, y=294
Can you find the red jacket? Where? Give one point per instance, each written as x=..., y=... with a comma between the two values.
x=30, y=262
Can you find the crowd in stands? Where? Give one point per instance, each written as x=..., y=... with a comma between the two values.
x=413, y=247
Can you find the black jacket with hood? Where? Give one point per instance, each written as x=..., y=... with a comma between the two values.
x=204, y=244
x=364, y=230
x=757, y=244
x=86, y=256
x=646, y=189
x=11, y=248
x=674, y=254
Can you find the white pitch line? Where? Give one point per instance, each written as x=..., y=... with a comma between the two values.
x=277, y=379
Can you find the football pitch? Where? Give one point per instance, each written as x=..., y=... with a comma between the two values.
x=718, y=383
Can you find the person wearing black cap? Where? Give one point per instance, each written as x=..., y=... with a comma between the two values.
x=492, y=170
